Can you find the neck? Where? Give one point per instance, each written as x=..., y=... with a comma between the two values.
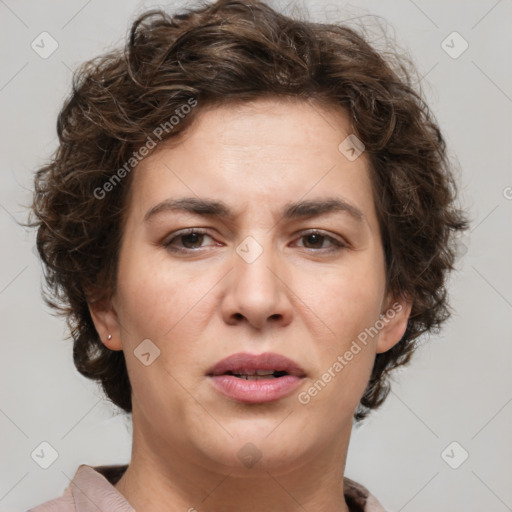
x=161, y=477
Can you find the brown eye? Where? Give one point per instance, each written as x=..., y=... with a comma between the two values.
x=192, y=239
x=188, y=240
x=316, y=240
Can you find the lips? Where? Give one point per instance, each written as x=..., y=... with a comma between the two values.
x=268, y=364
x=256, y=378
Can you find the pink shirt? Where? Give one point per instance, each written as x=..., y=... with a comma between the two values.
x=92, y=490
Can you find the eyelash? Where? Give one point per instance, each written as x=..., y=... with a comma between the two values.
x=337, y=244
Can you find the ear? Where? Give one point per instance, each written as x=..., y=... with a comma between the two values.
x=394, y=316
x=106, y=322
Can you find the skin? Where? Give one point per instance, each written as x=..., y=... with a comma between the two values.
x=304, y=298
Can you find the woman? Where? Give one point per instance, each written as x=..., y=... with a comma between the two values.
x=248, y=223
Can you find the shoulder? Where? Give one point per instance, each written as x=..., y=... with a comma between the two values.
x=359, y=498
x=89, y=483
x=64, y=503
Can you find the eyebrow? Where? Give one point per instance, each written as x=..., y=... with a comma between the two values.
x=294, y=210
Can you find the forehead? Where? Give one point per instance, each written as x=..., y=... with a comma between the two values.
x=272, y=124
x=261, y=151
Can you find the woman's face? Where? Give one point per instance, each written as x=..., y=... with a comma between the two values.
x=252, y=280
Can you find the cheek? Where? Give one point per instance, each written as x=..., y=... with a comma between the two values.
x=348, y=298
x=350, y=303
x=154, y=297
x=169, y=307
x=159, y=304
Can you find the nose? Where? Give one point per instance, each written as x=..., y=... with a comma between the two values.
x=258, y=288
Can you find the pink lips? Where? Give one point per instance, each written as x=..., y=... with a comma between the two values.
x=224, y=379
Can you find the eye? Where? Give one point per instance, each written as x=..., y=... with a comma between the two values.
x=191, y=240
x=188, y=240
x=317, y=239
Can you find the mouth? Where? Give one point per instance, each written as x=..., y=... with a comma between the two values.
x=256, y=378
x=253, y=366
x=257, y=374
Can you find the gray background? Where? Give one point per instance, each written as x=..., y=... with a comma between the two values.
x=458, y=388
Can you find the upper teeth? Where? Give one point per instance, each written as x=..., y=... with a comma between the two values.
x=255, y=372
x=264, y=372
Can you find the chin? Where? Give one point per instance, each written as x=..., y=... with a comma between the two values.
x=260, y=448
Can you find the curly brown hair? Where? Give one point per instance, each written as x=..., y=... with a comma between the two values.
x=233, y=51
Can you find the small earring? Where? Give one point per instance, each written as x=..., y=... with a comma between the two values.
x=109, y=337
